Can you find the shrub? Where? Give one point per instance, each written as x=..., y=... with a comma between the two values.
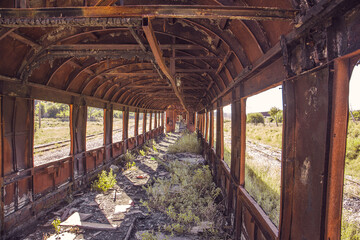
x=187, y=143
x=56, y=225
x=255, y=118
x=187, y=197
x=105, y=181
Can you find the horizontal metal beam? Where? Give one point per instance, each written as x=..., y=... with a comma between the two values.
x=77, y=47
x=122, y=15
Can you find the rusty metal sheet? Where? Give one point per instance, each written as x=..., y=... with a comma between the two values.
x=312, y=102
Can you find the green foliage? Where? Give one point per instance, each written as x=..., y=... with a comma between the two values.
x=349, y=229
x=142, y=152
x=154, y=148
x=130, y=165
x=153, y=159
x=186, y=143
x=56, y=224
x=276, y=114
x=187, y=197
x=94, y=114
x=356, y=115
x=105, y=181
x=352, y=159
x=255, y=118
x=128, y=157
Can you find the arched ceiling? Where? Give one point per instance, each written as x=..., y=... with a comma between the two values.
x=141, y=55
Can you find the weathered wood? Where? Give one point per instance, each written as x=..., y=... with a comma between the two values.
x=155, y=48
x=23, y=39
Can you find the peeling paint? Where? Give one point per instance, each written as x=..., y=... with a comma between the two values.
x=305, y=171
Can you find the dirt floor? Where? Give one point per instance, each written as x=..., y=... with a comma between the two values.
x=117, y=214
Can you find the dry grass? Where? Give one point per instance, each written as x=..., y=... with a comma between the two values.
x=52, y=130
x=186, y=143
x=262, y=181
x=267, y=134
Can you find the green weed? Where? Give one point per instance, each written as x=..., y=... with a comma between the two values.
x=56, y=224
x=130, y=165
x=188, y=197
x=105, y=181
x=142, y=152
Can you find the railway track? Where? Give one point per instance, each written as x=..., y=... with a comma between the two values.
x=55, y=145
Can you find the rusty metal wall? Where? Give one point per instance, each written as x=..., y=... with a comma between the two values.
x=309, y=113
x=28, y=192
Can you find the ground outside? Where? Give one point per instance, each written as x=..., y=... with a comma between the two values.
x=142, y=204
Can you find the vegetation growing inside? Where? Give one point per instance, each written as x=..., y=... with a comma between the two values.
x=56, y=224
x=187, y=143
x=187, y=198
x=105, y=181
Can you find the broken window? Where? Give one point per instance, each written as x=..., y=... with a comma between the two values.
x=51, y=131
x=263, y=150
x=227, y=134
x=94, y=128
x=117, y=132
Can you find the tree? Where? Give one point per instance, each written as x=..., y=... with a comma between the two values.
x=255, y=118
x=274, y=113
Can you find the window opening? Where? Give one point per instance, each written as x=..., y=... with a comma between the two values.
x=350, y=224
x=263, y=150
x=94, y=128
x=227, y=134
x=117, y=133
x=148, y=127
x=131, y=132
x=141, y=121
x=51, y=131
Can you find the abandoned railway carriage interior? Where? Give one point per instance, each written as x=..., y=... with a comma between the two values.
x=134, y=69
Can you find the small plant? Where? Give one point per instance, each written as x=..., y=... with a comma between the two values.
x=153, y=159
x=129, y=156
x=130, y=165
x=142, y=152
x=56, y=225
x=155, y=149
x=105, y=181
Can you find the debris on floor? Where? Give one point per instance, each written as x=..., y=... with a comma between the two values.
x=122, y=211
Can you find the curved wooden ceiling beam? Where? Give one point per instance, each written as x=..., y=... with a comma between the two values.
x=47, y=83
x=225, y=37
x=92, y=78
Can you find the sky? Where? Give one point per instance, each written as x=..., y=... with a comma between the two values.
x=262, y=102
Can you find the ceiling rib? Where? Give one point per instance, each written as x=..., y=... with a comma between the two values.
x=155, y=48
